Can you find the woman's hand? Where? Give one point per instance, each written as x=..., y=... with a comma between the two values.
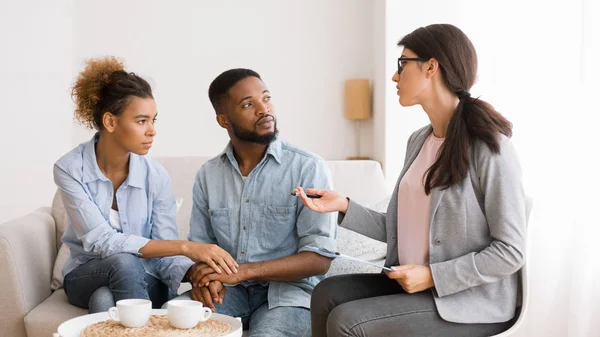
x=212, y=255
x=330, y=201
x=412, y=278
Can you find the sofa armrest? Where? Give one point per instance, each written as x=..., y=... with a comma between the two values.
x=27, y=254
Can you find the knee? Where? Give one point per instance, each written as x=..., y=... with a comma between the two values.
x=339, y=319
x=127, y=265
x=323, y=293
x=101, y=300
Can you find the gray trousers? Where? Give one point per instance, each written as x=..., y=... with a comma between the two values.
x=375, y=306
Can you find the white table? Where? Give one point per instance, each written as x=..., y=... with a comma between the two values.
x=74, y=326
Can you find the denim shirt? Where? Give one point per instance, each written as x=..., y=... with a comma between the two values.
x=147, y=209
x=258, y=219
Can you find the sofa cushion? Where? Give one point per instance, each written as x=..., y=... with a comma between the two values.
x=359, y=246
x=60, y=217
x=182, y=171
x=57, y=276
x=44, y=319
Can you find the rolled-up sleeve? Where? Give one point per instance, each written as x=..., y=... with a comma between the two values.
x=316, y=229
x=88, y=223
x=171, y=270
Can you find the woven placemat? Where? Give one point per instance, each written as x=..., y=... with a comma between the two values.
x=157, y=326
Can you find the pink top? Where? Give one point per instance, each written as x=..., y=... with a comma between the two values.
x=414, y=207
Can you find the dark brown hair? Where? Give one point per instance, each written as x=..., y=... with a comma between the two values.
x=104, y=86
x=473, y=119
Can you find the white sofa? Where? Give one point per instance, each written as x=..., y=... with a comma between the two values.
x=29, y=246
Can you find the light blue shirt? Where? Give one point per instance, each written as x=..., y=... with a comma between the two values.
x=147, y=211
x=258, y=219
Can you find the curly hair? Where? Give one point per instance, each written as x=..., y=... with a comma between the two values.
x=104, y=86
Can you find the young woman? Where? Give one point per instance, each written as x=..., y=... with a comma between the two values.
x=455, y=225
x=121, y=210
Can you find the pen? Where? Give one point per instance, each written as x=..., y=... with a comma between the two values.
x=312, y=196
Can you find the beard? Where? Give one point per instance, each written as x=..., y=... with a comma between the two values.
x=255, y=137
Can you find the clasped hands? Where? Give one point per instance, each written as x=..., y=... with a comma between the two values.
x=208, y=284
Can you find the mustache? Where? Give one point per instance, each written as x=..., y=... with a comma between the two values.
x=262, y=119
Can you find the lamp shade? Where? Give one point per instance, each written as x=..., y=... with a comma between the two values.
x=357, y=98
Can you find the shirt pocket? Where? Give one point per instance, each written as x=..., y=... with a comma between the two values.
x=221, y=225
x=277, y=231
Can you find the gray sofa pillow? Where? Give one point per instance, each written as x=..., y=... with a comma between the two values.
x=360, y=246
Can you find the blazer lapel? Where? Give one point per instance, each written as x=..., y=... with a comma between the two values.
x=436, y=197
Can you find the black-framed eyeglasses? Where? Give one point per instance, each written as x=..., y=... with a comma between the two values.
x=403, y=59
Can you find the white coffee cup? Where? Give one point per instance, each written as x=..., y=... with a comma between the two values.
x=185, y=314
x=133, y=313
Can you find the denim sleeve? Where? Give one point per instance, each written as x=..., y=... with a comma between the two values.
x=171, y=269
x=90, y=226
x=200, y=226
x=316, y=229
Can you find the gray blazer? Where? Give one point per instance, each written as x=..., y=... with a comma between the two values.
x=476, y=234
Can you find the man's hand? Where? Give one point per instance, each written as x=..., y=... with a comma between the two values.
x=412, y=278
x=199, y=272
x=214, y=293
x=206, y=274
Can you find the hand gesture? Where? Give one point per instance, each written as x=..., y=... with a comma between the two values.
x=330, y=201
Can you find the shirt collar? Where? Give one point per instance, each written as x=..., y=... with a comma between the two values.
x=274, y=150
x=91, y=171
x=137, y=173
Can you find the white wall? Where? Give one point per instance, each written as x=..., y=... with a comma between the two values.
x=380, y=81
x=303, y=50
x=35, y=128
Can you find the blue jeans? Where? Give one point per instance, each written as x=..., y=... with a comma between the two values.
x=251, y=305
x=98, y=284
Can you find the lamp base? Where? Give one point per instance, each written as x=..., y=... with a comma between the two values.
x=358, y=158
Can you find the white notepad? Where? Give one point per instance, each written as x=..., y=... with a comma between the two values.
x=338, y=255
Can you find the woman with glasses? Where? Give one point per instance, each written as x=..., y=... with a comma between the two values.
x=120, y=206
x=455, y=225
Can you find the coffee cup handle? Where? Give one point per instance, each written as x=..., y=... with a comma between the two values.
x=206, y=313
x=113, y=313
